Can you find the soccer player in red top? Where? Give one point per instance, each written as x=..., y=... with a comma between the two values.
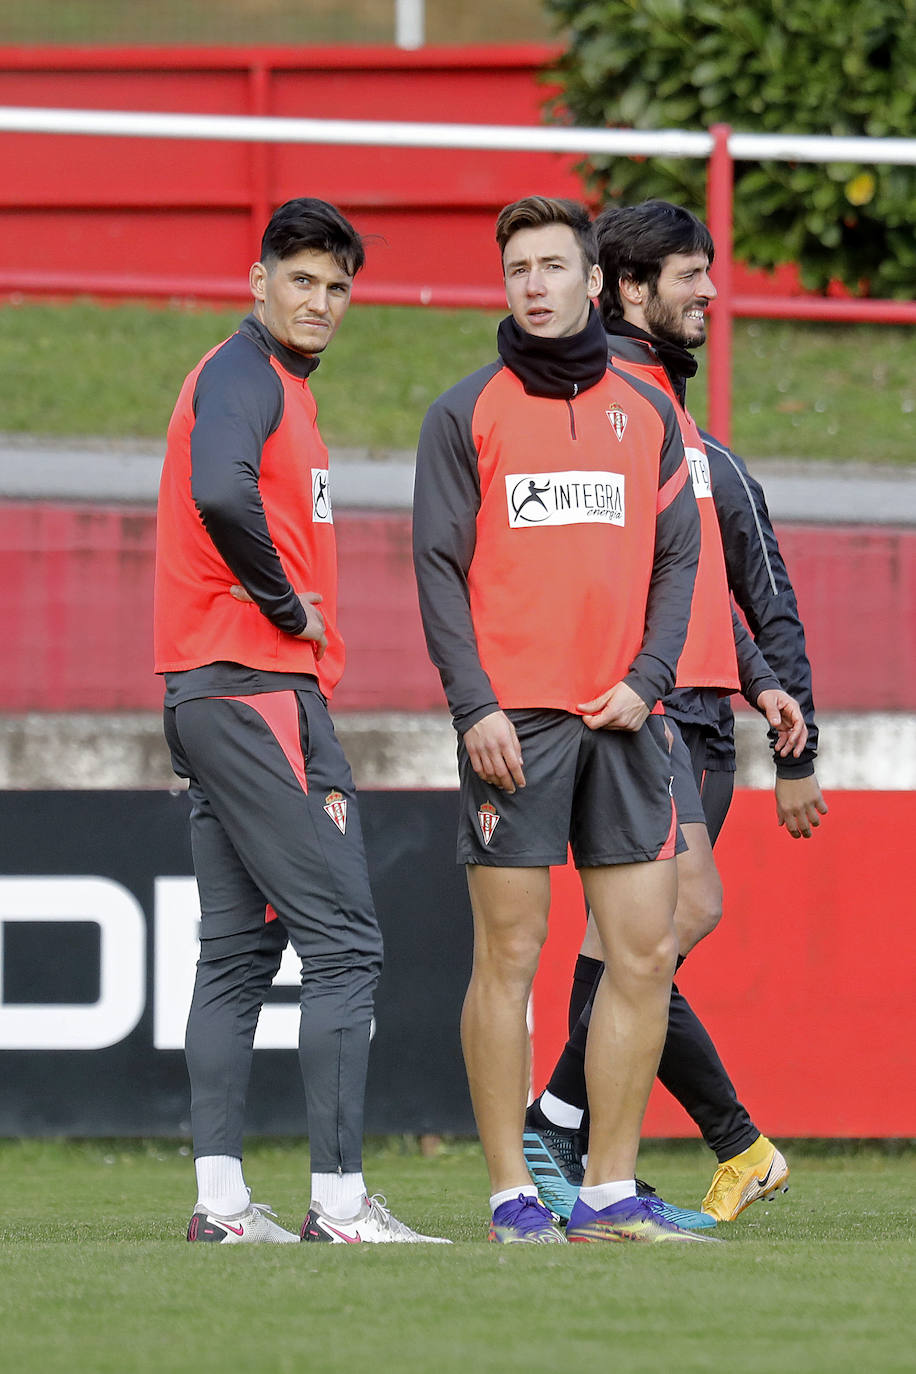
x=556, y=542
x=246, y=636
x=656, y=259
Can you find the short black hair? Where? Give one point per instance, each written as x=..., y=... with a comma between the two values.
x=534, y=212
x=634, y=240
x=308, y=223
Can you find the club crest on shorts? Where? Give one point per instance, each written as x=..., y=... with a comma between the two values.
x=488, y=817
x=335, y=803
x=618, y=418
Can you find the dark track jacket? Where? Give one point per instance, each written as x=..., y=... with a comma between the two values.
x=761, y=586
x=556, y=533
x=244, y=499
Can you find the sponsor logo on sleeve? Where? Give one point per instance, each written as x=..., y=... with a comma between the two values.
x=565, y=498
x=321, y=497
x=698, y=464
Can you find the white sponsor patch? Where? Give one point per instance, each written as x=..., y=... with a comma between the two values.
x=699, y=472
x=321, y=497
x=565, y=498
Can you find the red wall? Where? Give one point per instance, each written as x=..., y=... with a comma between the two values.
x=76, y=613
x=133, y=217
x=807, y=984
x=186, y=217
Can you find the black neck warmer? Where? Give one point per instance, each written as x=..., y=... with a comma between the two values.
x=297, y=364
x=677, y=361
x=558, y=368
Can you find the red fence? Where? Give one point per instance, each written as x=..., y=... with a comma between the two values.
x=110, y=216
x=160, y=217
x=76, y=612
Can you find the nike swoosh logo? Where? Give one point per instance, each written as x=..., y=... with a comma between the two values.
x=351, y=1240
x=236, y=1230
x=762, y=1182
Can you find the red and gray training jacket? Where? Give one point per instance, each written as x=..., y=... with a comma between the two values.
x=555, y=540
x=244, y=500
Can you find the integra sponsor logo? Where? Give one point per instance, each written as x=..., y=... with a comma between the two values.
x=564, y=498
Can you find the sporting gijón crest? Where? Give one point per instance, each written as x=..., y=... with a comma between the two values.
x=618, y=418
x=489, y=820
x=335, y=804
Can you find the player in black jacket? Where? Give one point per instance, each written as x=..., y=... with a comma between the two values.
x=640, y=245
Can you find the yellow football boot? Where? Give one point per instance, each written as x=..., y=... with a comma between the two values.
x=760, y=1171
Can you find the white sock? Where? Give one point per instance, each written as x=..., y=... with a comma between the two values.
x=606, y=1194
x=510, y=1194
x=221, y=1185
x=340, y=1195
x=560, y=1113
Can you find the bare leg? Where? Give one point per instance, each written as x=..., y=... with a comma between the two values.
x=633, y=906
x=699, y=890
x=510, y=908
x=699, y=896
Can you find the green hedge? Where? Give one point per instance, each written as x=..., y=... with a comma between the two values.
x=762, y=66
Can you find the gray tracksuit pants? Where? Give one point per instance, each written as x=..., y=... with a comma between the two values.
x=278, y=854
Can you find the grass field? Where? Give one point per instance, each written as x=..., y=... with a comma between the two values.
x=266, y=21
x=800, y=391
x=95, y=1276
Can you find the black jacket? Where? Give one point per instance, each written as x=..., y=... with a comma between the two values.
x=761, y=587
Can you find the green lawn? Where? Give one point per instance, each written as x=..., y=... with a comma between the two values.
x=95, y=1276
x=800, y=391
x=266, y=21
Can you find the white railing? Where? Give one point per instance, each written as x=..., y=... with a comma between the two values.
x=489, y=137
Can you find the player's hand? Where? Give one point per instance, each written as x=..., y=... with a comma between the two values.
x=315, y=626
x=784, y=715
x=799, y=806
x=494, y=751
x=619, y=708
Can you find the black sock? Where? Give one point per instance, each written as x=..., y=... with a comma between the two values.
x=567, y=1082
x=585, y=979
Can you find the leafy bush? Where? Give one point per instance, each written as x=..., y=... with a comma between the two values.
x=763, y=66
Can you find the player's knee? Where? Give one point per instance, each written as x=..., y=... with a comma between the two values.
x=509, y=955
x=699, y=910
x=645, y=961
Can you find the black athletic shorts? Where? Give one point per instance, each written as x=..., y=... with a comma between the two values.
x=605, y=793
x=684, y=787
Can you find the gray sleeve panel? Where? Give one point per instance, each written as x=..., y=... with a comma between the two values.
x=677, y=548
x=238, y=404
x=445, y=507
x=761, y=586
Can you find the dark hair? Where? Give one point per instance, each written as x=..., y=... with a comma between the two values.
x=534, y=212
x=634, y=240
x=309, y=223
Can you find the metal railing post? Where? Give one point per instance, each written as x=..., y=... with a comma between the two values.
x=259, y=80
x=719, y=192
